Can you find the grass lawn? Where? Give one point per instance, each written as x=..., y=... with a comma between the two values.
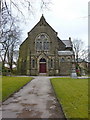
x=0, y=88
x=12, y=84
x=73, y=96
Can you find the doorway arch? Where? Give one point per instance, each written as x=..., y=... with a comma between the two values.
x=42, y=65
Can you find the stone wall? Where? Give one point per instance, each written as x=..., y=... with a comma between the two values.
x=28, y=53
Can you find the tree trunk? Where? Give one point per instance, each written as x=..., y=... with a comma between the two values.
x=11, y=57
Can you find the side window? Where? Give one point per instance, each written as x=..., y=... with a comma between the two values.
x=51, y=63
x=24, y=63
x=39, y=45
x=62, y=59
x=46, y=45
x=33, y=63
x=68, y=59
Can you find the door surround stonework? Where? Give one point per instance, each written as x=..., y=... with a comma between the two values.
x=38, y=62
x=42, y=65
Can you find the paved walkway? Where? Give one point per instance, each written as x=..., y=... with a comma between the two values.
x=84, y=77
x=35, y=100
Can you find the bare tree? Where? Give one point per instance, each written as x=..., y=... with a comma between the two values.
x=16, y=9
x=22, y=5
x=84, y=55
x=9, y=47
x=9, y=37
x=8, y=24
x=77, y=47
x=11, y=7
x=14, y=38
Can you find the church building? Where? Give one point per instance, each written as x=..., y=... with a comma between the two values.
x=43, y=52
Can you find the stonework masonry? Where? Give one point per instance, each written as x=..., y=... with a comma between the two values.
x=43, y=52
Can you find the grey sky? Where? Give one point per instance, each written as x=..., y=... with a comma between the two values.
x=68, y=17
x=89, y=24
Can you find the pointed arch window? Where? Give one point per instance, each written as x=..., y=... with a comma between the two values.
x=42, y=42
x=42, y=60
x=68, y=59
x=62, y=59
x=51, y=63
x=33, y=63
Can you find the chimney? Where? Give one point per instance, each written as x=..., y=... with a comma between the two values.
x=70, y=41
x=70, y=38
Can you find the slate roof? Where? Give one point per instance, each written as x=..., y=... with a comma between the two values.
x=67, y=43
x=65, y=52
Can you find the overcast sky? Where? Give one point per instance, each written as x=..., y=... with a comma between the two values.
x=89, y=25
x=68, y=17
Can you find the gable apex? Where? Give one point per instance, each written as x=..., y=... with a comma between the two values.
x=42, y=18
x=42, y=22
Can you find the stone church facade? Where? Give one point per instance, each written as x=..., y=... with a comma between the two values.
x=43, y=52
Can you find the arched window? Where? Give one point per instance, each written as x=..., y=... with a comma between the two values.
x=42, y=42
x=68, y=59
x=24, y=64
x=33, y=63
x=62, y=59
x=51, y=63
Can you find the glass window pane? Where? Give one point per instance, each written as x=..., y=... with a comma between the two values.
x=42, y=42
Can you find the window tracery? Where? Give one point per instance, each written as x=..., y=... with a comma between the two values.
x=42, y=42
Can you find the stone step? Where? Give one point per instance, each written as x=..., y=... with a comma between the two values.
x=42, y=74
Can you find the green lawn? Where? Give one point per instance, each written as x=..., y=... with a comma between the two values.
x=0, y=88
x=12, y=84
x=73, y=96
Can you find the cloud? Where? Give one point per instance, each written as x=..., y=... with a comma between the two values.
x=68, y=17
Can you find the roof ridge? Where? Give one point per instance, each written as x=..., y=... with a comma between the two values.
x=42, y=20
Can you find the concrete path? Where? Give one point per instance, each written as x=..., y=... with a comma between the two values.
x=35, y=100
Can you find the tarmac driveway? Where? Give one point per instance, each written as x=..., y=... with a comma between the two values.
x=35, y=100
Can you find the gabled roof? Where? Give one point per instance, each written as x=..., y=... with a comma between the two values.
x=42, y=22
x=61, y=41
x=67, y=43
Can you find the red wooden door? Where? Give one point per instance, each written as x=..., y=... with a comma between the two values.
x=42, y=68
